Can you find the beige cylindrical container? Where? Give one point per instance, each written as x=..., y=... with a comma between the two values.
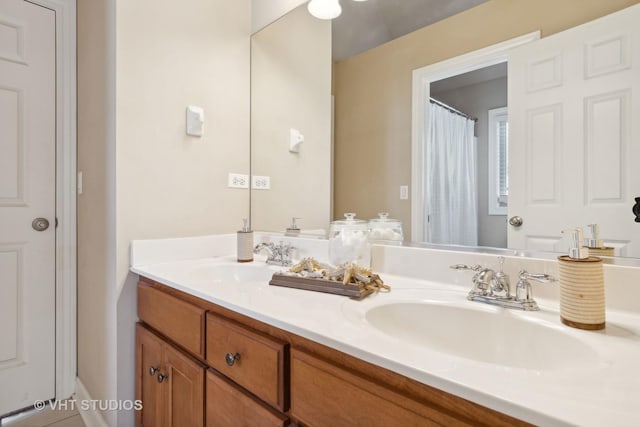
x=595, y=244
x=603, y=251
x=582, y=303
x=245, y=243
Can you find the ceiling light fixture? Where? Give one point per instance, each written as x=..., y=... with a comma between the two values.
x=324, y=9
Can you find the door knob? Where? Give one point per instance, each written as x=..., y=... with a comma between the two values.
x=636, y=209
x=516, y=221
x=40, y=224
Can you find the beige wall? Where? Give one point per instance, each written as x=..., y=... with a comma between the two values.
x=96, y=206
x=291, y=88
x=373, y=93
x=264, y=12
x=144, y=177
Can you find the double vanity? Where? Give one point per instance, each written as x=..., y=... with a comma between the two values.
x=217, y=345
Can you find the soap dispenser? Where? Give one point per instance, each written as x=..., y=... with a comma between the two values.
x=293, y=229
x=245, y=242
x=582, y=302
x=595, y=244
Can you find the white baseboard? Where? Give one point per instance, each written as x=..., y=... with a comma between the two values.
x=91, y=417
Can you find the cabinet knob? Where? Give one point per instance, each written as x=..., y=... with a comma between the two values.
x=153, y=370
x=162, y=377
x=231, y=358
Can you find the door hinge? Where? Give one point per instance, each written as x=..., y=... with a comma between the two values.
x=56, y=222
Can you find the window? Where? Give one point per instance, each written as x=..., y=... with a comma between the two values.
x=498, y=128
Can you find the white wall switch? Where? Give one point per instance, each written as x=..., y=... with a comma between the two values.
x=195, y=120
x=404, y=192
x=260, y=182
x=238, y=180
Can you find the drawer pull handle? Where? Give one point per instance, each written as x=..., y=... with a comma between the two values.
x=162, y=377
x=231, y=358
x=153, y=370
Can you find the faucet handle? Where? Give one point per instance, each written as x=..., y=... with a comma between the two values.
x=476, y=267
x=540, y=277
x=523, y=288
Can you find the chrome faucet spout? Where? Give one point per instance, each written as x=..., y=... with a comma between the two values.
x=266, y=246
x=495, y=288
x=279, y=254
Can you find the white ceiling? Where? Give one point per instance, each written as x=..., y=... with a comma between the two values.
x=367, y=24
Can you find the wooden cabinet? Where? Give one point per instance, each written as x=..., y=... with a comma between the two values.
x=260, y=375
x=169, y=383
x=175, y=318
x=148, y=364
x=251, y=359
x=228, y=405
x=323, y=394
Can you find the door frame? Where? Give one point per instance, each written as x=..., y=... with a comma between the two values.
x=66, y=190
x=421, y=81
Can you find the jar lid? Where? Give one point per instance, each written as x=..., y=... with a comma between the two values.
x=383, y=220
x=350, y=219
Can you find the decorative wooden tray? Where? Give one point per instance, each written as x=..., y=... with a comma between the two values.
x=320, y=285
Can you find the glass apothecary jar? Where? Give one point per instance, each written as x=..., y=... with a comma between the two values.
x=349, y=241
x=385, y=229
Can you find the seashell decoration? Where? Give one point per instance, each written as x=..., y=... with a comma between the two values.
x=348, y=273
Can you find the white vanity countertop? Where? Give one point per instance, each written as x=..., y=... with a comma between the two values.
x=606, y=392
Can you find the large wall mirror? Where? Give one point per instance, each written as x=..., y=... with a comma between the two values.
x=332, y=117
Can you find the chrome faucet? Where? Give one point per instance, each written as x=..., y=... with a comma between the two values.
x=494, y=288
x=279, y=254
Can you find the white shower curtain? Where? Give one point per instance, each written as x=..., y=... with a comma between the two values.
x=451, y=179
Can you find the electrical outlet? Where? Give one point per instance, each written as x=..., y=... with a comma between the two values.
x=261, y=182
x=404, y=192
x=238, y=180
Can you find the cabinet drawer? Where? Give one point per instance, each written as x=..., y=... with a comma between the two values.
x=228, y=405
x=178, y=320
x=323, y=394
x=251, y=359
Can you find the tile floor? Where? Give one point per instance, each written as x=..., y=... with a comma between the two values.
x=45, y=418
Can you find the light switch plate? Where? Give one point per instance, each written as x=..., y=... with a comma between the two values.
x=404, y=192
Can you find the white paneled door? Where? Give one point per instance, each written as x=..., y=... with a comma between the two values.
x=27, y=192
x=574, y=123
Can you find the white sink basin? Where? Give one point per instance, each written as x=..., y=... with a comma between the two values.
x=235, y=272
x=482, y=333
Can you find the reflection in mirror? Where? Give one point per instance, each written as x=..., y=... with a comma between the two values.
x=475, y=94
x=372, y=124
x=291, y=122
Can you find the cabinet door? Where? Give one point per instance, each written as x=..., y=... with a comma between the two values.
x=148, y=364
x=184, y=392
x=229, y=406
